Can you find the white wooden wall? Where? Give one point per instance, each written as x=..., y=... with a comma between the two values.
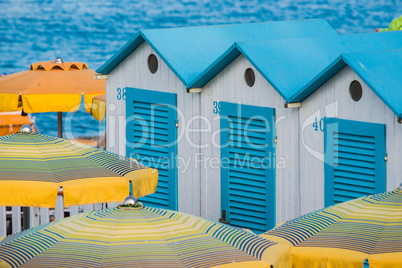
x=333, y=100
x=134, y=72
x=229, y=85
x=17, y=219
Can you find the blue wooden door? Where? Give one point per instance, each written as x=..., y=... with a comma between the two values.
x=354, y=159
x=152, y=139
x=247, y=166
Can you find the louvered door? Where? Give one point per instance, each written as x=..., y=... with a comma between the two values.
x=354, y=159
x=247, y=166
x=151, y=139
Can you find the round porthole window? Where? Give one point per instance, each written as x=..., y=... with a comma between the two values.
x=355, y=90
x=249, y=76
x=152, y=63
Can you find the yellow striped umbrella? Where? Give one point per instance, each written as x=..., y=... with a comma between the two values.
x=135, y=237
x=367, y=229
x=34, y=166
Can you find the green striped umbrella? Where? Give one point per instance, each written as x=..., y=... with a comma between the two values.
x=134, y=237
x=349, y=234
x=34, y=166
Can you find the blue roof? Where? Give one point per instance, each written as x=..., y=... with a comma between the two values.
x=195, y=50
x=297, y=67
x=382, y=72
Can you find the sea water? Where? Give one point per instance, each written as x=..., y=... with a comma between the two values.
x=92, y=31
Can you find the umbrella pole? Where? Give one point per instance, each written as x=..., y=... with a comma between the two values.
x=26, y=218
x=60, y=124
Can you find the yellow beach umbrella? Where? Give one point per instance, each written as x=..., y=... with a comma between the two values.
x=50, y=87
x=33, y=167
x=367, y=229
x=98, y=107
x=135, y=236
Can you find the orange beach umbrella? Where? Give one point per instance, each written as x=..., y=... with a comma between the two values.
x=11, y=122
x=50, y=87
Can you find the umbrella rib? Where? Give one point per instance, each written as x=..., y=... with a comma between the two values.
x=383, y=227
x=56, y=180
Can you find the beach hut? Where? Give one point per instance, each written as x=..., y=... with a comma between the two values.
x=155, y=105
x=251, y=173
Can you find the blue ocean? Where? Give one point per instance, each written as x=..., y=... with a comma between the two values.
x=92, y=31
